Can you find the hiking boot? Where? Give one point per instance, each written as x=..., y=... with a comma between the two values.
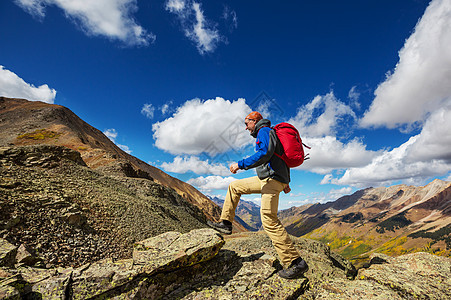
x=224, y=226
x=295, y=270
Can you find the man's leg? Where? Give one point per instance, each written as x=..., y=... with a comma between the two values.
x=271, y=223
x=237, y=188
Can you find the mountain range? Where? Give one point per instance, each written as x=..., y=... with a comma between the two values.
x=247, y=213
x=392, y=220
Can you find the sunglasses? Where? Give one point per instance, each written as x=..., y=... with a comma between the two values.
x=246, y=123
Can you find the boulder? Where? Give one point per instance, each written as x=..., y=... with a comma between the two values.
x=418, y=275
x=158, y=255
x=173, y=250
x=7, y=253
x=411, y=276
x=25, y=257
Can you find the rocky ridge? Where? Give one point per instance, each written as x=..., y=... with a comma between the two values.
x=194, y=266
x=24, y=122
x=68, y=214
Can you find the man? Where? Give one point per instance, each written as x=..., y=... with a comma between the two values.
x=273, y=177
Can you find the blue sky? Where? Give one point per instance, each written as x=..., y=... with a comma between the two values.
x=367, y=83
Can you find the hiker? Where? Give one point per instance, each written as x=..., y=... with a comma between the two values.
x=273, y=177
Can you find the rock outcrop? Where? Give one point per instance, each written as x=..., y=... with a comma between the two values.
x=194, y=266
x=24, y=122
x=134, y=278
x=67, y=214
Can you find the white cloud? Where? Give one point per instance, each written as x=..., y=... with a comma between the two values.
x=213, y=126
x=110, y=18
x=111, y=133
x=166, y=108
x=125, y=148
x=148, y=110
x=335, y=194
x=194, y=24
x=316, y=197
x=423, y=156
x=13, y=86
x=354, y=96
x=434, y=142
x=448, y=178
x=175, y=6
x=332, y=195
x=421, y=81
x=209, y=183
x=318, y=121
x=418, y=91
x=230, y=17
x=194, y=164
x=265, y=107
x=323, y=116
x=328, y=154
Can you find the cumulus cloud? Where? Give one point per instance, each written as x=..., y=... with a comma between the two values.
x=109, y=18
x=194, y=164
x=210, y=183
x=318, y=122
x=323, y=116
x=434, y=141
x=329, y=154
x=111, y=133
x=13, y=86
x=196, y=27
x=421, y=81
x=213, y=126
x=148, y=110
x=423, y=156
x=417, y=92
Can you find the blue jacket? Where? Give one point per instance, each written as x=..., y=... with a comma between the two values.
x=266, y=163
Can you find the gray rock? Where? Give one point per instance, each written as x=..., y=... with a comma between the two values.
x=14, y=287
x=418, y=275
x=167, y=252
x=24, y=256
x=173, y=250
x=7, y=253
x=55, y=287
x=194, y=266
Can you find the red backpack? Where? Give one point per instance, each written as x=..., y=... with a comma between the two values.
x=293, y=150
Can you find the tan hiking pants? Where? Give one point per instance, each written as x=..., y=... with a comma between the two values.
x=270, y=190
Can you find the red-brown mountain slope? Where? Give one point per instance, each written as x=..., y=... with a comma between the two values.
x=24, y=122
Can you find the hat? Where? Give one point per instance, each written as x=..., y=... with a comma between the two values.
x=255, y=115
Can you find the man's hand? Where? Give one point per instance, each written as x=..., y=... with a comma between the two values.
x=287, y=189
x=234, y=168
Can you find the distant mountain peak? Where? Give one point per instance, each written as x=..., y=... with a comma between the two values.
x=373, y=217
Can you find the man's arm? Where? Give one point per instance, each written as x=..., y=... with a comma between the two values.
x=264, y=151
